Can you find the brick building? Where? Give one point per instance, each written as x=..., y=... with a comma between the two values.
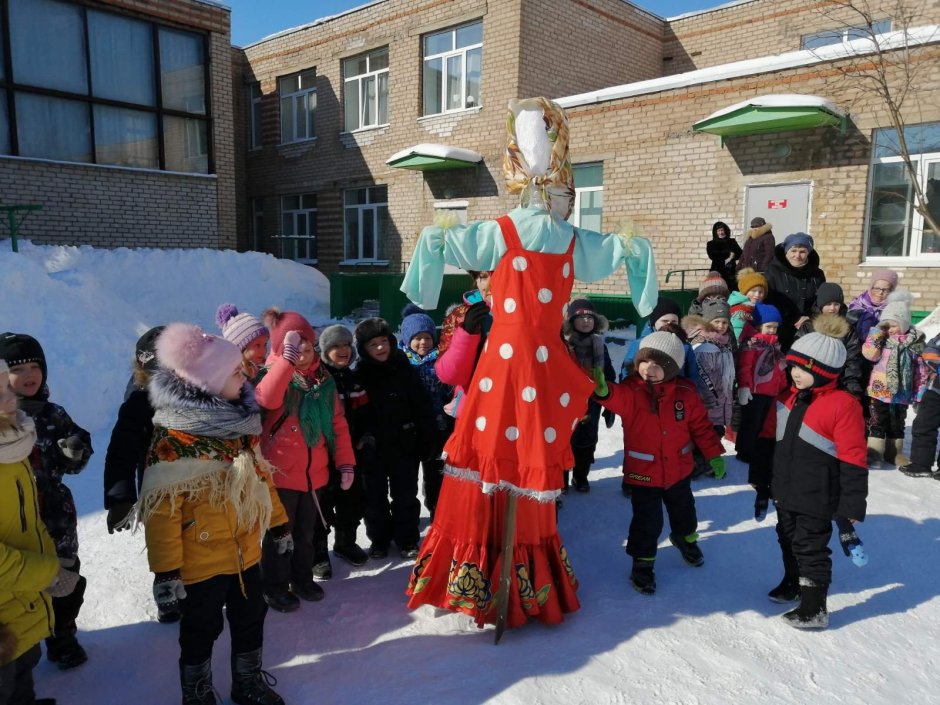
x=366, y=85
x=116, y=118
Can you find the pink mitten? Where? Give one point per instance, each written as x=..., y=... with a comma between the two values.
x=347, y=473
x=291, y=347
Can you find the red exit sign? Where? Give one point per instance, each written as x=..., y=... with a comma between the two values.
x=776, y=205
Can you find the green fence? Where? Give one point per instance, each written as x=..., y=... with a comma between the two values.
x=349, y=291
x=619, y=310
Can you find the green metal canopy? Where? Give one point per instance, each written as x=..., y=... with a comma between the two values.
x=434, y=157
x=773, y=113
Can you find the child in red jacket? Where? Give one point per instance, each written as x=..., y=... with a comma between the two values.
x=820, y=473
x=304, y=426
x=666, y=419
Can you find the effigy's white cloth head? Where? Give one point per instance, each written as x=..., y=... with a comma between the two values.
x=536, y=163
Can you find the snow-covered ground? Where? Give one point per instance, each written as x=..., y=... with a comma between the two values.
x=709, y=635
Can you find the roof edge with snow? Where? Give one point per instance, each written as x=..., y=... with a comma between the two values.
x=917, y=36
x=314, y=23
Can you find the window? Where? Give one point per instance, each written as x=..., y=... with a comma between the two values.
x=453, y=63
x=588, y=196
x=257, y=224
x=299, y=228
x=254, y=116
x=298, y=105
x=895, y=229
x=844, y=34
x=365, y=224
x=365, y=90
x=95, y=86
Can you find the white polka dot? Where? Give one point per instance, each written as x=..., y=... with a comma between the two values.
x=566, y=270
x=481, y=423
x=528, y=394
x=541, y=353
x=486, y=346
x=486, y=384
x=550, y=435
x=519, y=263
x=509, y=305
x=564, y=311
x=512, y=433
x=565, y=399
x=574, y=423
x=545, y=295
x=505, y=351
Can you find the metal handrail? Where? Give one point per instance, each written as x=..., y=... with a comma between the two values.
x=682, y=272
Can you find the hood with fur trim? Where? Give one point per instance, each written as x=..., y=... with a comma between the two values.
x=831, y=324
x=698, y=330
x=754, y=233
x=601, y=326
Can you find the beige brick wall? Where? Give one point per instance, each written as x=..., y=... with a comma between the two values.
x=109, y=207
x=675, y=183
x=113, y=207
x=575, y=46
x=749, y=30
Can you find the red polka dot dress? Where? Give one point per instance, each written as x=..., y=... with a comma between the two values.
x=513, y=434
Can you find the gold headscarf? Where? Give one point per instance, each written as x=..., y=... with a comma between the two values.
x=556, y=186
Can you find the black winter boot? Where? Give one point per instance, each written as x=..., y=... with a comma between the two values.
x=65, y=651
x=642, y=577
x=688, y=547
x=251, y=685
x=196, y=682
x=812, y=613
x=787, y=591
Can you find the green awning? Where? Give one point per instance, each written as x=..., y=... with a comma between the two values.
x=434, y=157
x=774, y=113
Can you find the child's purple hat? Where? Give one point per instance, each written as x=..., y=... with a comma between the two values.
x=238, y=328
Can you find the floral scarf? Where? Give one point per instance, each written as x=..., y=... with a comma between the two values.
x=903, y=350
x=312, y=400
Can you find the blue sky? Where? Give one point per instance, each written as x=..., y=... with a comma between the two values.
x=254, y=19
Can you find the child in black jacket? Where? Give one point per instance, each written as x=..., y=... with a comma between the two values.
x=62, y=448
x=819, y=473
x=404, y=426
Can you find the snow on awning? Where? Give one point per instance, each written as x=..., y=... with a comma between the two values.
x=773, y=113
x=434, y=157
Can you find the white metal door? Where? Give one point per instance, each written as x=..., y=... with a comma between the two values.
x=785, y=206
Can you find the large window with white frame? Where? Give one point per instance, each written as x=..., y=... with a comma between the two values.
x=83, y=84
x=453, y=65
x=842, y=35
x=254, y=116
x=365, y=90
x=298, y=94
x=895, y=230
x=365, y=224
x=588, y=211
x=298, y=236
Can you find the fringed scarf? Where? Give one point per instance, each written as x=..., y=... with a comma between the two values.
x=902, y=353
x=17, y=436
x=311, y=400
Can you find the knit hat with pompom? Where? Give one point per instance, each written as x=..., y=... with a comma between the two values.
x=898, y=309
x=238, y=328
x=748, y=279
x=713, y=285
x=665, y=349
x=821, y=353
x=280, y=322
x=203, y=360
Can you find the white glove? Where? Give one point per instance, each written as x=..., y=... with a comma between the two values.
x=744, y=396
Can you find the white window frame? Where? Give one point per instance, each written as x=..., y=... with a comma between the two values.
x=444, y=56
x=360, y=236
x=843, y=35
x=298, y=247
x=358, y=83
x=306, y=96
x=916, y=257
x=575, y=218
x=255, y=138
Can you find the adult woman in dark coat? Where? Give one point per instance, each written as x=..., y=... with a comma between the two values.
x=724, y=252
x=758, y=249
x=794, y=277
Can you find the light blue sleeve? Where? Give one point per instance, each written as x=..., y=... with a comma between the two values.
x=477, y=246
x=598, y=255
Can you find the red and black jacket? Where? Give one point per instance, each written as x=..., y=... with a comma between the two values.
x=819, y=464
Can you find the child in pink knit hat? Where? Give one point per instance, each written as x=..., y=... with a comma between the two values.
x=247, y=332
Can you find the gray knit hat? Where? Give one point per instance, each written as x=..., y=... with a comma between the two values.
x=332, y=337
x=898, y=309
x=715, y=308
x=821, y=353
x=665, y=349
